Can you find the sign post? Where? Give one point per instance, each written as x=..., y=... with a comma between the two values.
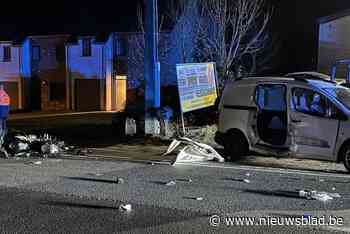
x=197, y=87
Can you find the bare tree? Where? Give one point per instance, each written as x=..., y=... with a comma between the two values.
x=185, y=17
x=137, y=48
x=232, y=29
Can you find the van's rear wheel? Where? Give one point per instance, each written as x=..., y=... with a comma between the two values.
x=346, y=157
x=235, y=145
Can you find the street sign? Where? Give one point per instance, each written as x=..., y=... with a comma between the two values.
x=197, y=85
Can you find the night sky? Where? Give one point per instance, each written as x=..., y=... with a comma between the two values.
x=294, y=23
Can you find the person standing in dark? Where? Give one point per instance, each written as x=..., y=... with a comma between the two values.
x=4, y=110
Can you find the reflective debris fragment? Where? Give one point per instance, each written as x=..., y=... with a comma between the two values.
x=120, y=181
x=125, y=207
x=320, y=196
x=37, y=162
x=185, y=180
x=242, y=180
x=170, y=183
x=193, y=151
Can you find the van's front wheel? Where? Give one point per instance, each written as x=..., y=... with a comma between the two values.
x=235, y=145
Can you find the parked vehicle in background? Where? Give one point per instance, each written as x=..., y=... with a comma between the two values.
x=286, y=116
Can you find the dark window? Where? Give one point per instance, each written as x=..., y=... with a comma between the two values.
x=121, y=67
x=57, y=91
x=7, y=54
x=36, y=53
x=60, y=53
x=121, y=47
x=86, y=47
x=271, y=97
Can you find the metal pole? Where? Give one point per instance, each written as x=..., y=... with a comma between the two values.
x=183, y=123
x=152, y=94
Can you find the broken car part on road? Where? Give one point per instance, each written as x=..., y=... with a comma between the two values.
x=319, y=196
x=193, y=151
x=18, y=144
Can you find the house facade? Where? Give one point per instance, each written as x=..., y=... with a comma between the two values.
x=44, y=63
x=85, y=73
x=10, y=73
x=86, y=79
x=97, y=73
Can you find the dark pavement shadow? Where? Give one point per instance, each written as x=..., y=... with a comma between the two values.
x=277, y=193
x=77, y=205
x=93, y=180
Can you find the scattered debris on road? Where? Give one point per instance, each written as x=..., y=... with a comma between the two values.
x=319, y=196
x=37, y=163
x=185, y=180
x=193, y=151
x=242, y=180
x=125, y=207
x=170, y=183
x=18, y=144
x=120, y=181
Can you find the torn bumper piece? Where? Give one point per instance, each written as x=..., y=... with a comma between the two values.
x=193, y=152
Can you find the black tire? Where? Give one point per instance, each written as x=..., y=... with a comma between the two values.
x=345, y=156
x=236, y=146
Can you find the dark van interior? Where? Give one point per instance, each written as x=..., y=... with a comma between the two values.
x=272, y=114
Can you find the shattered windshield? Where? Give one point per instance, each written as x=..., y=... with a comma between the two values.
x=341, y=94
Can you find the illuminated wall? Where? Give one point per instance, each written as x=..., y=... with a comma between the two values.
x=10, y=70
x=85, y=67
x=334, y=44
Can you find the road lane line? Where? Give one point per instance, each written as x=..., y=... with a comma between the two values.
x=267, y=169
x=236, y=167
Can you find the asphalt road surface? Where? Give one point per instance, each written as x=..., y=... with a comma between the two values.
x=82, y=196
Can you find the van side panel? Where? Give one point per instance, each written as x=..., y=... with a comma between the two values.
x=236, y=107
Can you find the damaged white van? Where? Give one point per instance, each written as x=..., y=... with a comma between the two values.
x=305, y=118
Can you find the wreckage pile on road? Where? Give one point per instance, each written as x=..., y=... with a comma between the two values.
x=193, y=151
x=18, y=144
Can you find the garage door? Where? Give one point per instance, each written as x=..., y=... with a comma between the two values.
x=87, y=95
x=11, y=89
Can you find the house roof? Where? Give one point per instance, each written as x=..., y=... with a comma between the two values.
x=335, y=16
x=99, y=37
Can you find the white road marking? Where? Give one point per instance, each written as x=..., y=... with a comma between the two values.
x=265, y=169
x=95, y=156
x=223, y=166
x=101, y=157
